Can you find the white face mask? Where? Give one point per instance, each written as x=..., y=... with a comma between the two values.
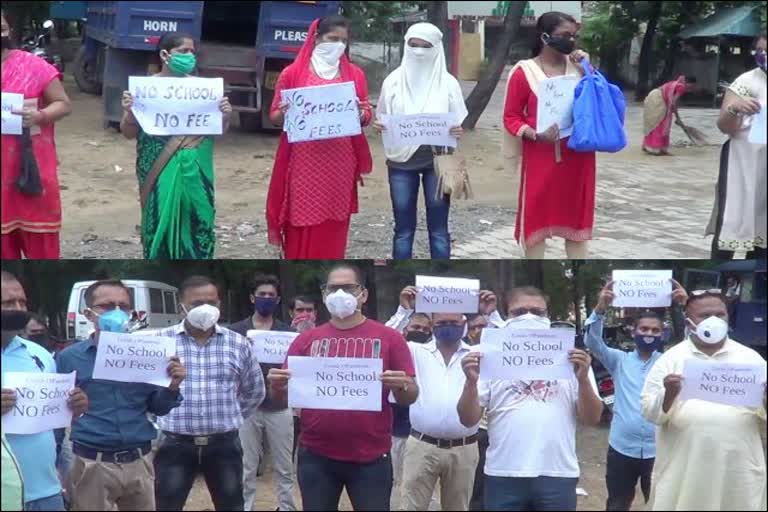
x=530, y=321
x=202, y=317
x=421, y=53
x=341, y=304
x=330, y=53
x=711, y=330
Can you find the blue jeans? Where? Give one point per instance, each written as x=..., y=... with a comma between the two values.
x=540, y=493
x=53, y=503
x=404, y=190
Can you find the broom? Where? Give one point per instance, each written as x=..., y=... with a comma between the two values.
x=697, y=137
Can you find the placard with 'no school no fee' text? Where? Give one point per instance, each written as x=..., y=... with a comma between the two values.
x=134, y=358
x=335, y=383
x=555, y=99
x=447, y=295
x=642, y=288
x=418, y=130
x=526, y=354
x=177, y=106
x=41, y=401
x=321, y=112
x=271, y=347
x=723, y=383
x=11, y=123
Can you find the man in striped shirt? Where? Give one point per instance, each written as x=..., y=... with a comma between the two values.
x=224, y=385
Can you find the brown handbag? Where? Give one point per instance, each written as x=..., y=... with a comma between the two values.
x=452, y=176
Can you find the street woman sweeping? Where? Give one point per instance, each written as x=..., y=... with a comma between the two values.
x=175, y=173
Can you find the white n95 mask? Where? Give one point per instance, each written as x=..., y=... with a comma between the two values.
x=203, y=317
x=341, y=304
x=711, y=330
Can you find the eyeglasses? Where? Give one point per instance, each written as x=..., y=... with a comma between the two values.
x=348, y=288
x=524, y=311
x=111, y=306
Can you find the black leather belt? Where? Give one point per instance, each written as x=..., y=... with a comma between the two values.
x=116, y=457
x=444, y=443
x=202, y=440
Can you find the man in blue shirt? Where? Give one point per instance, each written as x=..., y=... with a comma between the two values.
x=113, y=441
x=36, y=453
x=632, y=439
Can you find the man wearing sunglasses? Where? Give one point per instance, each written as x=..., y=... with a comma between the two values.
x=709, y=456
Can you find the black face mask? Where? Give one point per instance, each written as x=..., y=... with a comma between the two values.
x=417, y=336
x=41, y=339
x=7, y=43
x=14, y=320
x=561, y=44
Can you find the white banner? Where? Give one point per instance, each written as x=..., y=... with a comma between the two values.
x=642, y=288
x=419, y=130
x=447, y=295
x=11, y=123
x=177, y=106
x=723, y=383
x=41, y=401
x=526, y=354
x=556, y=97
x=271, y=347
x=134, y=358
x=335, y=383
x=322, y=112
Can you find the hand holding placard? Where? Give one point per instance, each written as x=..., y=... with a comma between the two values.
x=724, y=383
x=136, y=358
x=11, y=121
x=335, y=383
x=642, y=288
x=41, y=402
x=321, y=112
x=271, y=347
x=510, y=353
x=447, y=295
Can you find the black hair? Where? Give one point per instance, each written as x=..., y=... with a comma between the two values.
x=420, y=315
x=37, y=317
x=115, y=283
x=329, y=23
x=302, y=298
x=649, y=314
x=265, y=279
x=171, y=40
x=196, y=282
x=546, y=24
x=359, y=276
x=472, y=316
x=526, y=291
x=692, y=299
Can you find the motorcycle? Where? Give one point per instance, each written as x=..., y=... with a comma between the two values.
x=36, y=44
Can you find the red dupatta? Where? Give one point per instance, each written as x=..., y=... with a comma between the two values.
x=296, y=75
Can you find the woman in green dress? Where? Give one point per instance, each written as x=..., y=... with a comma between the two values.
x=175, y=172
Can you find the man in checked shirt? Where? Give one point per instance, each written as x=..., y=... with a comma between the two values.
x=224, y=385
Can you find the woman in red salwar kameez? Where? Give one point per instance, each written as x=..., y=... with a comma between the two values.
x=556, y=199
x=313, y=191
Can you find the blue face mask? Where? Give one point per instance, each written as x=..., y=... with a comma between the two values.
x=448, y=334
x=648, y=343
x=265, y=306
x=114, y=321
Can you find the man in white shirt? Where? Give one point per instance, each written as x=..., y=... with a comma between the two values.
x=531, y=462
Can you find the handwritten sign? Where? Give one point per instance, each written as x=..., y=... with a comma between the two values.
x=322, y=112
x=11, y=123
x=419, y=130
x=723, y=383
x=335, y=383
x=447, y=295
x=526, y=354
x=757, y=134
x=41, y=401
x=177, y=106
x=271, y=347
x=555, y=102
x=642, y=288
x=134, y=358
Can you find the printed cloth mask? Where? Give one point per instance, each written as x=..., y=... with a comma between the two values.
x=265, y=306
x=760, y=60
x=448, y=334
x=203, y=317
x=182, y=63
x=646, y=343
x=530, y=321
x=711, y=330
x=114, y=321
x=341, y=304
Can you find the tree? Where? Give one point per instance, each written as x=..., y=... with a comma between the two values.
x=646, y=50
x=480, y=96
x=370, y=20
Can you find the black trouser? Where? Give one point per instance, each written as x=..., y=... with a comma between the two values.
x=477, y=492
x=179, y=460
x=321, y=480
x=621, y=476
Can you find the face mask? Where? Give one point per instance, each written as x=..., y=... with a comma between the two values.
x=114, y=321
x=40, y=339
x=203, y=317
x=182, y=63
x=330, y=53
x=448, y=334
x=760, y=60
x=530, y=321
x=303, y=322
x=711, y=331
x=417, y=336
x=648, y=343
x=341, y=304
x=6, y=42
x=421, y=53
x=561, y=44
x=14, y=320
x=265, y=306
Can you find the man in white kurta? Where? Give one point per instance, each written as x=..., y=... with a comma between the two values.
x=709, y=456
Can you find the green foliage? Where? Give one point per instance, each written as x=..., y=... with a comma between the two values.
x=20, y=14
x=370, y=20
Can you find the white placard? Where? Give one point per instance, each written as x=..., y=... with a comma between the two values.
x=177, y=106
x=555, y=104
x=526, y=354
x=447, y=295
x=134, y=358
x=418, y=130
x=271, y=347
x=757, y=132
x=41, y=401
x=11, y=123
x=642, y=288
x=723, y=383
x=335, y=383
x=322, y=112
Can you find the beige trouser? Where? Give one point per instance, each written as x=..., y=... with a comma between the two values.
x=424, y=463
x=96, y=485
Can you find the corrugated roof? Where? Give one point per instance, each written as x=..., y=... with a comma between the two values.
x=736, y=21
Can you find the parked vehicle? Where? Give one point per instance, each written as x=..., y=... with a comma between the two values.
x=37, y=42
x=246, y=43
x=154, y=304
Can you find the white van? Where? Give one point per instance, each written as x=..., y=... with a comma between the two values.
x=151, y=299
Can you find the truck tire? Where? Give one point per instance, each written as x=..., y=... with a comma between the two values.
x=85, y=73
x=250, y=121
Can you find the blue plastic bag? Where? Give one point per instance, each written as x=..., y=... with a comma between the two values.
x=598, y=114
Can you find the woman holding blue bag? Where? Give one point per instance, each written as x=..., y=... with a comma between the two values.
x=557, y=195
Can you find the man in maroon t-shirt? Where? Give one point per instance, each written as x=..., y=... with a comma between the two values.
x=349, y=449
